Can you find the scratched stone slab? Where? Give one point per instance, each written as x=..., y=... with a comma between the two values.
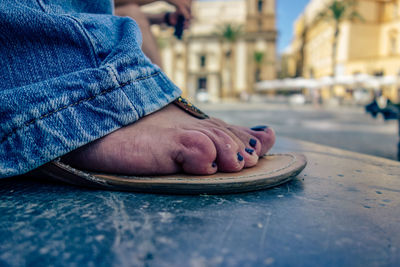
x=343, y=210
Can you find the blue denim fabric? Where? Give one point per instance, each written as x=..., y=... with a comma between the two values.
x=71, y=72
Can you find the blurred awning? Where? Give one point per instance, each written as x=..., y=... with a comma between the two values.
x=286, y=84
x=351, y=81
x=344, y=80
x=389, y=80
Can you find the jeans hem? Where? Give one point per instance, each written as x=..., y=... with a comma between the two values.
x=71, y=126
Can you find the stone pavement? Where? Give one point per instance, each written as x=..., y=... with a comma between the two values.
x=342, y=210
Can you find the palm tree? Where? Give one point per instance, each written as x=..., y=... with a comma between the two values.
x=230, y=33
x=258, y=59
x=338, y=11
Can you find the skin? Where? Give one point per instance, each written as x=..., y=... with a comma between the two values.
x=131, y=8
x=149, y=47
x=171, y=141
x=182, y=6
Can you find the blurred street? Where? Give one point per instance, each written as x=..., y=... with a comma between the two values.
x=348, y=128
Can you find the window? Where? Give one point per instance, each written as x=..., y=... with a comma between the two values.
x=311, y=71
x=260, y=24
x=392, y=41
x=260, y=5
x=202, y=83
x=258, y=75
x=203, y=61
x=393, y=45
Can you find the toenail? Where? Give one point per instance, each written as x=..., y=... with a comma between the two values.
x=249, y=150
x=240, y=157
x=214, y=165
x=253, y=142
x=259, y=128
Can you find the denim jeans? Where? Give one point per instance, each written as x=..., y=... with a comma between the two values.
x=71, y=72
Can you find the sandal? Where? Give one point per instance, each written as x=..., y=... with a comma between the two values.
x=271, y=170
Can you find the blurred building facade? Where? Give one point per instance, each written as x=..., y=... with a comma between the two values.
x=370, y=45
x=207, y=62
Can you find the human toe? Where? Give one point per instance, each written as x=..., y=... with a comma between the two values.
x=197, y=153
x=263, y=138
x=230, y=153
x=248, y=152
x=249, y=141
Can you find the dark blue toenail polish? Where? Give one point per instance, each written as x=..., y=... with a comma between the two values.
x=214, y=165
x=253, y=142
x=249, y=150
x=240, y=157
x=259, y=128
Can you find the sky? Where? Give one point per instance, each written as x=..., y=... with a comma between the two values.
x=287, y=13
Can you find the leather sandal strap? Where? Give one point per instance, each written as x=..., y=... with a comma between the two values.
x=190, y=108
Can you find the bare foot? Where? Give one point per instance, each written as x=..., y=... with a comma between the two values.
x=171, y=141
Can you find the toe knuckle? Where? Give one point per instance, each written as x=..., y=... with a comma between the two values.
x=198, y=141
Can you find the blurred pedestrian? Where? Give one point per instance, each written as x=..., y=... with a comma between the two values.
x=132, y=9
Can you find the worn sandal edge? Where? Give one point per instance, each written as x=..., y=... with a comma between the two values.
x=272, y=170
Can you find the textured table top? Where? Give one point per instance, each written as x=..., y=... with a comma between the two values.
x=342, y=210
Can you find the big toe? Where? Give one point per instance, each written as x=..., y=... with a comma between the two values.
x=196, y=154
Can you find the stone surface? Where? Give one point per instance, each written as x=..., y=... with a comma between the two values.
x=343, y=210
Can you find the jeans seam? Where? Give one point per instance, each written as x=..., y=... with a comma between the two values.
x=87, y=37
x=41, y=5
x=113, y=72
x=28, y=123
